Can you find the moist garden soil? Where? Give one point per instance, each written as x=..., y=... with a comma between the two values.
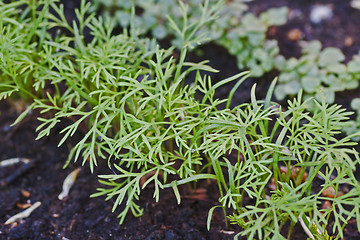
x=82, y=217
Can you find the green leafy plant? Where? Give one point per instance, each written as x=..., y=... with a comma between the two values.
x=354, y=70
x=152, y=16
x=124, y=91
x=245, y=37
x=355, y=124
x=238, y=30
x=299, y=141
x=22, y=35
x=317, y=70
x=128, y=98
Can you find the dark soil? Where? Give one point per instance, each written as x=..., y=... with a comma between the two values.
x=81, y=217
x=333, y=32
x=340, y=31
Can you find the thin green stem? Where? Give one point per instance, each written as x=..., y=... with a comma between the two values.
x=275, y=168
x=292, y=224
x=73, y=85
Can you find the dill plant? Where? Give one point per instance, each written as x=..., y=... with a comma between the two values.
x=139, y=115
x=296, y=138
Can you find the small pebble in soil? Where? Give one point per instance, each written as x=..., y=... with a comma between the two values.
x=25, y=193
x=326, y=205
x=23, y=205
x=320, y=13
x=330, y=192
x=355, y=4
x=294, y=34
x=349, y=41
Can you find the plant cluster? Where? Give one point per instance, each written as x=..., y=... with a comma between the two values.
x=244, y=36
x=238, y=30
x=317, y=70
x=355, y=124
x=139, y=115
x=152, y=16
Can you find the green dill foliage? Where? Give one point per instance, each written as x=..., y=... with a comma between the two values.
x=236, y=29
x=128, y=98
x=264, y=138
x=22, y=35
x=317, y=70
x=152, y=16
x=126, y=92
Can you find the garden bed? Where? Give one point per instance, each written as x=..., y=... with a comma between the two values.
x=82, y=217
